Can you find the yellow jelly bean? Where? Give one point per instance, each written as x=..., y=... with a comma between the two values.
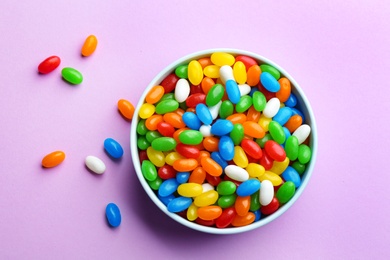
x=211, y=71
x=190, y=189
x=172, y=157
x=240, y=158
x=279, y=167
x=239, y=72
x=195, y=72
x=206, y=199
x=275, y=179
x=192, y=212
x=156, y=157
x=146, y=110
x=222, y=58
x=264, y=122
x=255, y=170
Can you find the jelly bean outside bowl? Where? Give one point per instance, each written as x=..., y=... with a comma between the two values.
x=304, y=106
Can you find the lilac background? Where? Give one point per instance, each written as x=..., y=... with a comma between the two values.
x=339, y=52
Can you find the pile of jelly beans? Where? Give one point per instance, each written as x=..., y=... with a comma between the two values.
x=222, y=140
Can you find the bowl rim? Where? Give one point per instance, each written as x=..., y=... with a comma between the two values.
x=301, y=99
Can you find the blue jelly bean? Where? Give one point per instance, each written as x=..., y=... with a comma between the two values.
x=269, y=82
x=113, y=148
x=182, y=177
x=248, y=187
x=203, y=113
x=179, y=204
x=257, y=215
x=216, y=156
x=232, y=90
x=166, y=199
x=221, y=127
x=168, y=187
x=113, y=215
x=253, y=90
x=291, y=101
x=283, y=115
x=290, y=174
x=298, y=112
x=191, y=120
x=226, y=148
x=286, y=132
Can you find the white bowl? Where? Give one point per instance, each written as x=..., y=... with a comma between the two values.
x=304, y=107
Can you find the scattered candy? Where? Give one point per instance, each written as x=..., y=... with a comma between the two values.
x=126, y=108
x=89, y=45
x=95, y=164
x=113, y=148
x=72, y=75
x=53, y=159
x=113, y=215
x=49, y=64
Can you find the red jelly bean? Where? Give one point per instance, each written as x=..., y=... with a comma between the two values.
x=188, y=151
x=248, y=61
x=169, y=83
x=165, y=129
x=270, y=208
x=226, y=217
x=275, y=151
x=208, y=223
x=49, y=64
x=195, y=89
x=213, y=180
x=143, y=156
x=195, y=99
x=266, y=161
x=268, y=95
x=251, y=148
x=166, y=172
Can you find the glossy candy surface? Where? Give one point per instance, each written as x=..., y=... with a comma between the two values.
x=53, y=159
x=113, y=215
x=49, y=64
x=89, y=46
x=113, y=148
x=72, y=75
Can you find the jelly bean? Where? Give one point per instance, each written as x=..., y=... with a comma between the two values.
x=166, y=172
x=279, y=167
x=293, y=123
x=216, y=156
x=72, y=75
x=283, y=115
x=206, y=198
x=208, y=186
x=271, y=207
x=156, y=157
x=195, y=99
x=239, y=72
x=285, y=192
x=113, y=215
x=271, y=70
x=290, y=174
x=277, y=132
x=268, y=95
x=269, y=82
x=221, y=127
x=266, y=161
x=53, y=159
x=304, y=154
x=242, y=205
x=185, y=165
x=271, y=108
x=166, y=106
x=253, y=75
x=204, y=114
x=49, y=64
x=89, y=46
x=240, y=158
x=126, y=108
x=248, y=187
x=174, y=120
x=226, y=201
x=191, y=120
x=226, y=188
x=226, y=109
x=168, y=96
x=302, y=133
x=188, y=151
x=211, y=143
x=198, y=175
x=226, y=218
x=146, y=110
x=204, y=62
x=196, y=89
x=169, y=82
x=167, y=199
x=298, y=112
x=211, y=166
x=266, y=192
x=209, y=212
x=253, y=129
x=141, y=127
x=299, y=167
x=190, y=189
x=285, y=89
x=237, y=134
x=232, y=91
x=292, y=148
x=215, y=95
x=226, y=73
x=164, y=144
x=179, y=204
x=192, y=212
x=165, y=129
x=95, y=164
x=168, y=187
x=246, y=60
x=251, y=148
x=264, y=122
x=142, y=143
x=206, y=84
x=244, y=104
x=236, y=173
x=195, y=72
x=191, y=137
x=182, y=90
x=172, y=157
x=291, y=101
x=255, y=170
x=214, y=110
x=259, y=101
x=151, y=135
x=255, y=201
x=237, y=118
x=275, y=179
x=262, y=141
x=226, y=148
x=207, y=223
x=222, y=58
x=205, y=130
x=155, y=185
x=113, y=148
x=152, y=122
x=182, y=71
x=148, y=170
x=275, y=151
x=211, y=71
x=286, y=133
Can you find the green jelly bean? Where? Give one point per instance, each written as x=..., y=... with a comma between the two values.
x=304, y=154
x=164, y=144
x=148, y=170
x=142, y=143
x=276, y=131
x=155, y=184
x=191, y=137
x=226, y=109
x=244, y=104
x=291, y=147
x=168, y=96
x=151, y=135
x=237, y=134
x=141, y=127
x=226, y=201
x=268, y=68
x=262, y=141
x=167, y=106
x=285, y=192
x=72, y=76
x=259, y=101
x=299, y=167
x=183, y=105
x=226, y=188
x=182, y=71
x=215, y=95
x=255, y=201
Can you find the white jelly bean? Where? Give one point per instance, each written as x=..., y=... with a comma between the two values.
x=236, y=173
x=95, y=164
x=266, y=192
x=226, y=73
x=214, y=110
x=245, y=89
x=207, y=187
x=271, y=108
x=205, y=130
x=182, y=90
x=302, y=132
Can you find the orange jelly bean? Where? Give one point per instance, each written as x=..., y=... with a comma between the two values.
x=198, y=175
x=179, y=111
x=210, y=143
x=203, y=154
x=126, y=108
x=242, y=205
x=155, y=94
x=209, y=212
x=293, y=123
x=191, y=109
x=285, y=89
x=253, y=129
x=211, y=166
x=53, y=159
x=204, y=62
x=253, y=115
x=253, y=75
x=174, y=120
x=240, y=221
x=89, y=45
x=206, y=84
x=152, y=122
x=237, y=118
x=185, y=165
